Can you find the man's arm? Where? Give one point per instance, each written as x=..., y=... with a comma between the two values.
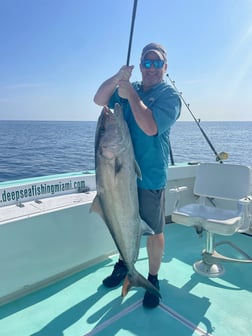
x=142, y=114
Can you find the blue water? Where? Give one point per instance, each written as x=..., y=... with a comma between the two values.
x=39, y=148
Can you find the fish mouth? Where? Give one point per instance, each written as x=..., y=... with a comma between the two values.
x=108, y=118
x=107, y=111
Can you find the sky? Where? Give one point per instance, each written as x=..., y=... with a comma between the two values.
x=55, y=53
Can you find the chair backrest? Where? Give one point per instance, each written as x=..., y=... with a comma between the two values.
x=225, y=181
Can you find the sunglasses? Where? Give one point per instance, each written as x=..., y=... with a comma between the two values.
x=158, y=64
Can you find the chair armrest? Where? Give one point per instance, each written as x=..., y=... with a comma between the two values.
x=246, y=204
x=177, y=191
x=245, y=201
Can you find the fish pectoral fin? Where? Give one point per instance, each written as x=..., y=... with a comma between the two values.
x=118, y=166
x=146, y=230
x=138, y=170
x=96, y=207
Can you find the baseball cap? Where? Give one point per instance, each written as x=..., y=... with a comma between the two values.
x=156, y=48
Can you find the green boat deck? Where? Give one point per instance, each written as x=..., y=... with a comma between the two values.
x=191, y=304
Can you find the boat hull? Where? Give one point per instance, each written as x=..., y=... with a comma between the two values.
x=46, y=239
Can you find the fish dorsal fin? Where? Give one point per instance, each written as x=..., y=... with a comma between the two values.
x=146, y=229
x=138, y=170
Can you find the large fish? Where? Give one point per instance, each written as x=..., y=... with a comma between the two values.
x=116, y=200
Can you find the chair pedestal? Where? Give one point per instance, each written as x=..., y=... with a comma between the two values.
x=209, y=265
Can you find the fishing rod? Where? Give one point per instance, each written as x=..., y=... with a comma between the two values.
x=219, y=157
x=131, y=31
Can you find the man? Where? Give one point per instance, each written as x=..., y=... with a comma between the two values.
x=150, y=108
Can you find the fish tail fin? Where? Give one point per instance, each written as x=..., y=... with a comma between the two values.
x=137, y=280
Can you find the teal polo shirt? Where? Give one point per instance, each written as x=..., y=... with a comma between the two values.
x=152, y=152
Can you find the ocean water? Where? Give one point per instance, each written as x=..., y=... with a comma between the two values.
x=39, y=148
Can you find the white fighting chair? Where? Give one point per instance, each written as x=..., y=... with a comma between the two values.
x=223, y=207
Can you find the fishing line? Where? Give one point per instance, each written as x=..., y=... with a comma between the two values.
x=128, y=60
x=219, y=157
x=131, y=31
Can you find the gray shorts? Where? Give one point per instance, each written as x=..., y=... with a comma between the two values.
x=152, y=208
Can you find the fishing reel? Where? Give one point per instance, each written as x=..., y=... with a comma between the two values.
x=221, y=156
